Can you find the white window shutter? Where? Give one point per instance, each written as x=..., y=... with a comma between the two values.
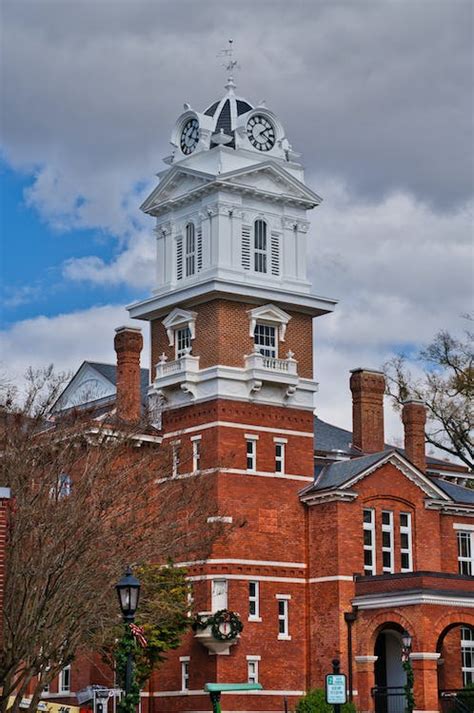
x=246, y=252
x=179, y=258
x=275, y=254
x=199, y=249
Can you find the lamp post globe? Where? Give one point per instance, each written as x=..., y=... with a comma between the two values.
x=406, y=640
x=128, y=592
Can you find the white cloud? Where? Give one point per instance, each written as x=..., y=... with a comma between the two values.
x=65, y=340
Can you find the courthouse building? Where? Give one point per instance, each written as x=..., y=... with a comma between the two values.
x=347, y=542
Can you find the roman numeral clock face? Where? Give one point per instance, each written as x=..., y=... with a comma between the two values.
x=189, y=136
x=261, y=132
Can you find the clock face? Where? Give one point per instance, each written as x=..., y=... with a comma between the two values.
x=189, y=136
x=261, y=132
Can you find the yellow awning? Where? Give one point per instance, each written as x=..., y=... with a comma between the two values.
x=46, y=706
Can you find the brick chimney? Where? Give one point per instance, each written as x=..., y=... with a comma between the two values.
x=414, y=419
x=128, y=344
x=368, y=388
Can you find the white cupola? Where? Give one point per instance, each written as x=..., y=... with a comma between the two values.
x=230, y=208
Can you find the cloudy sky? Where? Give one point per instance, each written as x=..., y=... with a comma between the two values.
x=376, y=94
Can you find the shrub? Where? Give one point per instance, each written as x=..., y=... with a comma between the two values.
x=315, y=702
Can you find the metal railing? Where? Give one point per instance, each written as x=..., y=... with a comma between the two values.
x=457, y=700
x=389, y=699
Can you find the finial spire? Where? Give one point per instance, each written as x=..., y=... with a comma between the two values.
x=230, y=63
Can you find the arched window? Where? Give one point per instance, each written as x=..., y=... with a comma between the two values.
x=190, y=249
x=260, y=246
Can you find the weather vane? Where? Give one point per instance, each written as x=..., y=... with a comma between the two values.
x=230, y=63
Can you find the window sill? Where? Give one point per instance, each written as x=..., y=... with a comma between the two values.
x=284, y=637
x=255, y=618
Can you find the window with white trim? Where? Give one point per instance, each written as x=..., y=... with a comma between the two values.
x=260, y=246
x=283, y=617
x=218, y=594
x=280, y=446
x=254, y=600
x=190, y=249
x=465, y=552
x=62, y=489
x=182, y=341
x=369, y=541
x=175, y=448
x=184, y=672
x=467, y=655
x=251, y=446
x=266, y=339
x=252, y=669
x=64, y=684
x=406, y=551
x=387, y=542
x=196, y=441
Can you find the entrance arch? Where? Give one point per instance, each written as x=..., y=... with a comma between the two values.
x=455, y=645
x=390, y=677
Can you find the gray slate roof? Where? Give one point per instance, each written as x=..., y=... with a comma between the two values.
x=457, y=492
x=336, y=474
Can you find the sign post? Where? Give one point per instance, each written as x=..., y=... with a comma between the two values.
x=336, y=688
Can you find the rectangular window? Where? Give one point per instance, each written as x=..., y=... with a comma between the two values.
x=406, y=552
x=190, y=249
x=280, y=456
x=184, y=673
x=219, y=594
x=175, y=447
x=369, y=541
x=251, y=452
x=260, y=245
x=387, y=542
x=196, y=441
x=64, y=685
x=283, y=619
x=465, y=553
x=183, y=342
x=254, y=600
x=467, y=655
x=252, y=669
x=265, y=338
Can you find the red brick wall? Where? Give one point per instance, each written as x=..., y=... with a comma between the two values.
x=222, y=336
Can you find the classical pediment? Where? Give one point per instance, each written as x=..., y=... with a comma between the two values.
x=87, y=385
x=271, y=179
x=179, y=182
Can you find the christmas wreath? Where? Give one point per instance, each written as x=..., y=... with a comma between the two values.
x=225, y=624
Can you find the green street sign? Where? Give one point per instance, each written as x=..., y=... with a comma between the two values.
x=336, y=689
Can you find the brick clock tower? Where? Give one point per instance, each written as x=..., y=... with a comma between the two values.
x=232, y=382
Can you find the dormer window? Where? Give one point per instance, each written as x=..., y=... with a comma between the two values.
x=182, y=341
x=260, y=246
x=265, y=338
x=180, y=327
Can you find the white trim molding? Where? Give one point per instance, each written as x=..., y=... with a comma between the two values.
x=366, y=659
x=386, y=601
x=463, y=526
x=254, y=657
x=241, y=426
x=199, y=692
x=271, y=314
x=258, y=563
x=331, y=578
x=424, y=656
x=179, y=318
x=247, y=578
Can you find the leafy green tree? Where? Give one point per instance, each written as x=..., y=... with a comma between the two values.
x=163, y=617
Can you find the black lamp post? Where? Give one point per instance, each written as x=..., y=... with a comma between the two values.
x=128, y=592
x=406, y=663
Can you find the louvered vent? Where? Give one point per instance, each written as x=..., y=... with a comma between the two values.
x=179, y=258
x=199, y=249
x=275, y=248
x=246, y=247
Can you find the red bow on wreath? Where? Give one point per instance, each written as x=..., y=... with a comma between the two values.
x=139, y=635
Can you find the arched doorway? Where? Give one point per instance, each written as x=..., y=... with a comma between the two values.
x=390, y=678
x=456, y=667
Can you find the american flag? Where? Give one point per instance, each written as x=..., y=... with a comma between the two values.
x=139, y=635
